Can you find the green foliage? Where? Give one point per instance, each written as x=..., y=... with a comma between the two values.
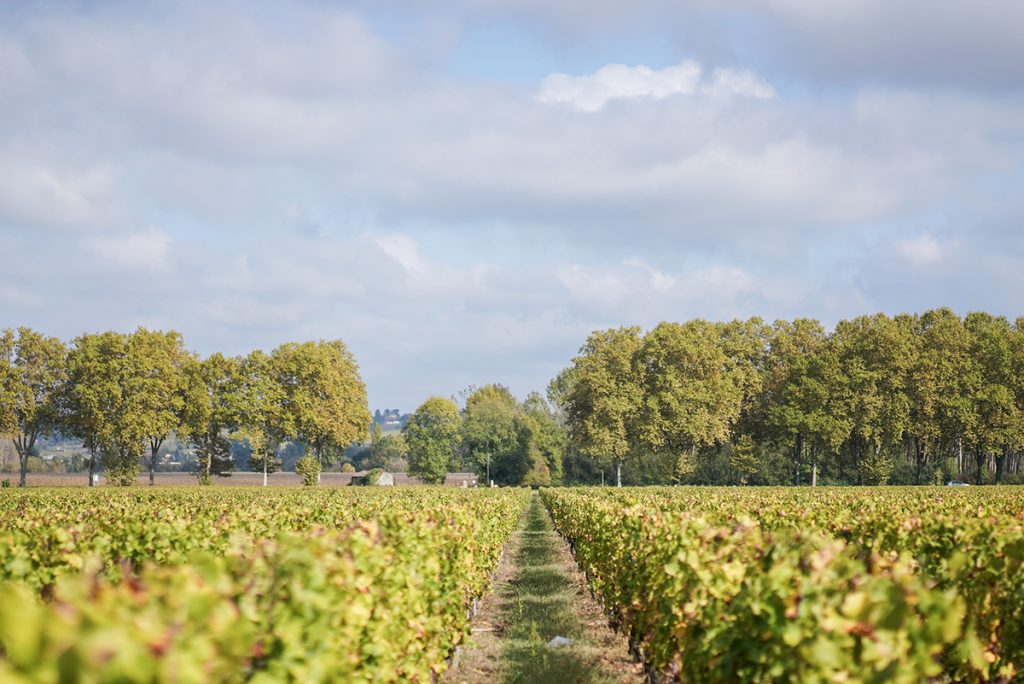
x=743, y=458
x=212, y=412
x=879, y=395
x=432, y=435
x=388, y=449
x=308, y=467
x=238, y=586
x=877, y=468
x=323, y=395
x=155, y=391
x=890, y=584
x=604, y=395
x=489, y=435
x=33, y=369
x=513, y=443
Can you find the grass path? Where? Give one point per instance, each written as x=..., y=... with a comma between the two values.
x=540, y=594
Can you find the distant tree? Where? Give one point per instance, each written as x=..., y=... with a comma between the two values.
x=212, y=412
x=743, y=458
x=324, y=396
x=543, y=429
x=691, y=396
x=32, y=377
x=308, y=468
x=156, y=388
x=803, y=397
x=604, y=397
x=876, y=354
x=432, y=435
x=388, y=449
x=263, y=421
x=490, y=436
x=92, y=387
x=997, y=427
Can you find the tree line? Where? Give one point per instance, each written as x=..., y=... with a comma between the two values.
x=501, y=439
x=916, y=398
x=123, y=395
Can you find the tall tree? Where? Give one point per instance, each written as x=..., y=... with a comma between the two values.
x=692, y=391
x=541, y=423
x=32, y=371
x=212, y=412
x=432, y=435
x=490, y=436
x=92, y=395
x=324, y=394
x=997, y=427
x=102, y=408
x=263, y=421
x=156, y=393
x=803, y=396
x=877, y=354
x=604, y=396
x=945, y=379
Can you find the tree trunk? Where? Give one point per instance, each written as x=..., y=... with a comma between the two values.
x=979, y=462
x=320, y=460
x=814, y=466
x=264, y=469
x=959, y=456
x=1001, y=463
x=154, y=447
x=618, y=472
x=92, y=464
x=919, y=455
x=24, y=444
x=798, y=454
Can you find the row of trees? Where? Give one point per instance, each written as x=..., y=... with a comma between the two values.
x=123, y=395
x=933, y=395
x=499, y=438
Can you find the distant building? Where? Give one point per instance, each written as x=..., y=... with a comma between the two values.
x=390, y=419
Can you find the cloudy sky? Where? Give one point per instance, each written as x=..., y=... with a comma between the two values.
x=463, y=189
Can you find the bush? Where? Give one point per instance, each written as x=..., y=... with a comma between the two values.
x=309, y=468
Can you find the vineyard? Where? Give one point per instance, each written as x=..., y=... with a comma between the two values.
x=867, y=585
x=708, y=584
x=243, y=585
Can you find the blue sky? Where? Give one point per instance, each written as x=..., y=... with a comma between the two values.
x=462, y=190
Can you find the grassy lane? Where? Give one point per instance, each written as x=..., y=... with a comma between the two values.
x=539, y=595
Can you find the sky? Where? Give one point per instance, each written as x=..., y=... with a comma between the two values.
x=463, y=190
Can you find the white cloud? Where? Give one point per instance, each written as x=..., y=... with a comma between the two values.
x=620, y=82
x=39, y=193
x=311, y=177
x=402, y=249
x=145, y=251
x=920, y=251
